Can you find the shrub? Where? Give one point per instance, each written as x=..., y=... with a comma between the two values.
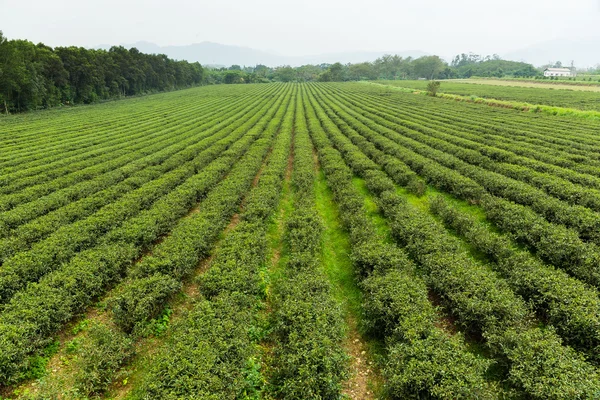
x=100, y=355
x=141, y=300
x=433, y=87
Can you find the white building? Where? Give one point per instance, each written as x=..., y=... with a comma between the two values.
x=558, y=72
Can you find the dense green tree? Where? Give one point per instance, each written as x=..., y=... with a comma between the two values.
x=233, y=77
x=492, y=67
x=337, y=72
x=362, y=71
x=334, y=73
x=13, y=74
x=428, y=66
x=261, y=70
x=308, y=73
x=433, y=87
x=285, y=74
x=37, y=76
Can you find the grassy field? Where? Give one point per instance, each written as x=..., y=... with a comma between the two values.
x=300, y=241
x=569, y=85
x=511, y=91
x=580, y=80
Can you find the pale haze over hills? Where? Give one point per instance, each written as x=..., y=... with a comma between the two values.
x=275, y=33
x=585, y=52
x=209, y=53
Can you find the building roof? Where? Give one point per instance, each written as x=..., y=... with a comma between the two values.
x=558, y=69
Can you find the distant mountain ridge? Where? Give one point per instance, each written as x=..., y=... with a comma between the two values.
x=582, y=51
x=209, y=53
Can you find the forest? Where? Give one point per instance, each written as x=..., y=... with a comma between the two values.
x=389, y=67
x=38, y=76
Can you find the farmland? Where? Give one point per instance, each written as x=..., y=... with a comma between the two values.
x=578, y=97
x=301, y=241
x=593, y=85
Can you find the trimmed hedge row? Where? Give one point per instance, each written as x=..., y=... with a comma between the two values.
x=551, y=130
x=154, y=159
x=37, y=312
x=47, y=255
x=554, y=180
x=570, y=306
x=193, y=237
x=211, y=353
x=555, y=244
x=494, y=142
x=584, y=220
x=559, y=245
x=102, y=352
x=31, y=183
x=307, y=326
x=57, y=149
x=483, y=303
x=21, y=238
x=422, y=360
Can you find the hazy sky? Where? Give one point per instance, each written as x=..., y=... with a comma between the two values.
x=305, y=27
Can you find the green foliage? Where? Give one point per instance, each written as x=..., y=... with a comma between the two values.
x=433, y=87
x=101, y=353
x=37, y=76
x=577, y=99
x=421, y=368
x=396, y=301
x=194, y=361
x=81, y=205
x=417, y=187
x=37, y=363
x=335, y=73
x=141, y=300
x=465, y=66
x=306, y=323
x=61, y=294
x=428, y=67
x=254, y=380
x=80, y=326
x=564, y=302
x=544, y=368
x=481, y=302
x=211, y=351
x=73, y=345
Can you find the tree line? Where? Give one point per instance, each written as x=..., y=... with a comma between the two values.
x=35, y=76
x=386, y=67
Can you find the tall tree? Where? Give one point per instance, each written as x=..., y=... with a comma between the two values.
x=36, y=76
x=337, y=72
x=429, y=66
x=285, y=74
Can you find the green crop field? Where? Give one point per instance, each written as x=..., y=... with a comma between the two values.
x=543, y=94
x=533, y=83
x=301, y=241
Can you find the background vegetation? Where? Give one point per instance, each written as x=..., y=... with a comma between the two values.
x=36, y=76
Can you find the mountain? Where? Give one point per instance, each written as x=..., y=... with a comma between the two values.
x=209, y=53
x=353, y=57
x=584, y=52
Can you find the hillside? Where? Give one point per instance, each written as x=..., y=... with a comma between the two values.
x=209, y=53
x=584, y=52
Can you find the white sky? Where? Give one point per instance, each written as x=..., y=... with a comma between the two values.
x=308, y=27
